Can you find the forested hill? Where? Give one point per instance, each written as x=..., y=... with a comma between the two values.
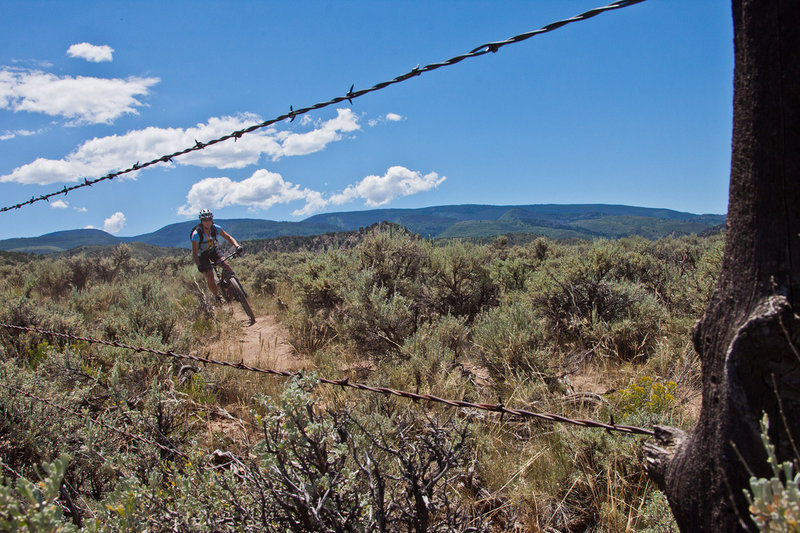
x=585, y=221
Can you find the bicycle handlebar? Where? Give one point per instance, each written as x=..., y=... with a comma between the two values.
x=229, y=256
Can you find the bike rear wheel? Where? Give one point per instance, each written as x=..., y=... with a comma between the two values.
x=238, y=293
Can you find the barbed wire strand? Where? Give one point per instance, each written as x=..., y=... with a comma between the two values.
x=496, y=408
x=483, y=49
x=11, y=470
x=98, y=422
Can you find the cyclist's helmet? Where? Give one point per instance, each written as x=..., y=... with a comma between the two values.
x=206, y=214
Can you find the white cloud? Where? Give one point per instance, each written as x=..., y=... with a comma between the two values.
x=380, y=190
x=91, y=52
x=89, y=227
x=264, y=189
x=83, y=100
x=80, y=209
x=114, y=223
x=17, y=133
x=314, y=141
x=314, y=202
x=388, y=117
x=99, y=156
x=59, y=204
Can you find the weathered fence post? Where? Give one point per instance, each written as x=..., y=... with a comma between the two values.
x=748, y=335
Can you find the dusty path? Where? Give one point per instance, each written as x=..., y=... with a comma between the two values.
x=263, y=344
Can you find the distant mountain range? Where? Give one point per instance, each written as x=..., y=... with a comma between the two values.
x=558, y=221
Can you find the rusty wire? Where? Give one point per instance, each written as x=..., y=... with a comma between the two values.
x=416, y=71
x=496, y=408
x=98, y=422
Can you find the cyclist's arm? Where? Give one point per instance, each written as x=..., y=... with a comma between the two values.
x=195, y=251
x=229, y=238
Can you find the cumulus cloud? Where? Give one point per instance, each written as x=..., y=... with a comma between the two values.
x=82, y=100
x=380, y=190
x=315, y=140
x=264, y=189
x=99, y=156
x=80, y=209
x=114, y=223
x=59, y=204
x=91, y=52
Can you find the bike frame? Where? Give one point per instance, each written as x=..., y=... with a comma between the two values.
x=230, y=285
x=223, y=272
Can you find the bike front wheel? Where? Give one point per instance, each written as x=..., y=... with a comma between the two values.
x=238, y=293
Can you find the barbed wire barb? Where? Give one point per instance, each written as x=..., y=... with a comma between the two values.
x=483, y=49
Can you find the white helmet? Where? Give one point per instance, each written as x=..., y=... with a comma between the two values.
x=206, y=214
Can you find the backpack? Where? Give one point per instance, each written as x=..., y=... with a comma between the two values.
x=199, y=229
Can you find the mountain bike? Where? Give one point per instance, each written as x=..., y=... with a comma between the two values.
x=230, y=286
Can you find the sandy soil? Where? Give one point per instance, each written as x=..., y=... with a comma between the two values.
x=263, y=344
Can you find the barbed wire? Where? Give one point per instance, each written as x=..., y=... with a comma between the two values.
x=98, y=422
x=496, y=408
x=483, y=49
x=9, y=469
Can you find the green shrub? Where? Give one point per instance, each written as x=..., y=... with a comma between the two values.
x=635, y=262
x=146, y=307
x=656, y=515
x=36, y=433
x=28, y=506
x=459, y=282
x=510, y=339
x=28, y=312
x=775, y=502
x=198, y=390
x=317, y=283
x=309, y=334
x=38, y=354
x=511, y=270
x=265, y=280
x=647, y=402
x=51, y=279
x=94, y=302
x=340, y=472
x=694, y=266
x=429, y=361
x=395, y=261
x=267, y=272
x=586, y=307
x=374, y=319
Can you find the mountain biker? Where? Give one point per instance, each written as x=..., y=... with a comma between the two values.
x=205, y=251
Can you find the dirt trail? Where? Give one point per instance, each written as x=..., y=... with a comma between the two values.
x=263, y=344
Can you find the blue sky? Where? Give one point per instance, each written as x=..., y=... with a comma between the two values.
x=631, y=107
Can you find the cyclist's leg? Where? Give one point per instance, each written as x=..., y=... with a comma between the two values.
x=212, y=284
x=226, y=268
x=217, y=257
x=208, y=272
